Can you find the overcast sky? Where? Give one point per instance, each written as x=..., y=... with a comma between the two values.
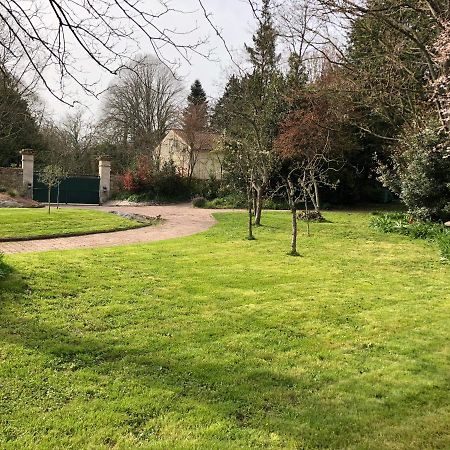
x=233, y=17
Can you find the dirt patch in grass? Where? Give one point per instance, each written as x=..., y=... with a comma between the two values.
x=7, y=201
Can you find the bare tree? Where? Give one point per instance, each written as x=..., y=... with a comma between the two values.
x=70, y=144
x=196, y=126
x=54, y=35
x=240, y=169
x=141, y=105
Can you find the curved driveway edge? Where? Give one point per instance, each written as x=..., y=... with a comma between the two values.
x=179, y=221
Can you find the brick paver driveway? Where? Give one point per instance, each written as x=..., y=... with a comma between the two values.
x=180, y=220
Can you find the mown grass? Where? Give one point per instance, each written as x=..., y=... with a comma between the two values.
x=401, y=223
x=213, y=341
x=23, y=223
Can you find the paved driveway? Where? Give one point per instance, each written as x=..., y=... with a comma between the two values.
x=180, y=220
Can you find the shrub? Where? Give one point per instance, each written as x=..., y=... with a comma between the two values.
x=419, y=172
x=3, y=189
x=404, y=224
x=228, y=202
x=275, y=203
x=128, y=183
x=149, y=184
x=444, y=246
x=209, y=189
x=199, y=202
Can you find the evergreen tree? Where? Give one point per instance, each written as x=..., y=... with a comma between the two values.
x=18, y=127
x=197, y=95
x=221, y=118
x=263, y=53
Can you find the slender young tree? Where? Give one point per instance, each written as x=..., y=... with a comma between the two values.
x=249, y=108
x=263, y=97
x=51, y=176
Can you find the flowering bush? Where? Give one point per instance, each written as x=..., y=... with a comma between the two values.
x=419, y=172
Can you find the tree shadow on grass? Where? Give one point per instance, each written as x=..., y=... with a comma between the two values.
x=247, y=395
x=243, y=394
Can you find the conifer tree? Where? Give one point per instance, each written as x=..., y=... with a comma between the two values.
x=197, y=95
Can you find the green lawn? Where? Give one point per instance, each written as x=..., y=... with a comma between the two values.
x=215, y=342
x=23, y=223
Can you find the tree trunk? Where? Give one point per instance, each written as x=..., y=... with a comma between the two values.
x=316, y=196
x=49, y=198
x=307, y=217
x=259, y=206
x=250, y=236
x=294, y=251
x=57, y=197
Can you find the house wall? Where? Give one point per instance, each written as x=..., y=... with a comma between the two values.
x=208, y=165
x=11, y=178
x=173, y=148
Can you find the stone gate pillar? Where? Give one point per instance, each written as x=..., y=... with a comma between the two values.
x=27, y=170
x=104, y=171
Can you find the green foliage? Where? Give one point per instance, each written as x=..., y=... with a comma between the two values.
x=144, y=183
x=276, y=203
x=199, y=202
x=249, y=110
x=18, y=128
x=419, y=171
x=388, y=73
x=388, y=68
x=263, y=55
x=402, y=223
x=197, y=95
x=231, y=201
x=51, y=175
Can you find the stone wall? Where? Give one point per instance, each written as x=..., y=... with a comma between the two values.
x=11, y=178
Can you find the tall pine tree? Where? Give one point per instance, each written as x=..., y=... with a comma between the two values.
x=197, y=94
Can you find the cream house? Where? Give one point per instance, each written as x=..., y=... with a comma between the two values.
x=208, y=161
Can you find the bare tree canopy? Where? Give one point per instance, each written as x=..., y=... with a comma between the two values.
x=141, y=105
x=53, y=35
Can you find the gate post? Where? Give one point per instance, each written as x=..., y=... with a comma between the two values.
x=104, y=171
x=27, y=170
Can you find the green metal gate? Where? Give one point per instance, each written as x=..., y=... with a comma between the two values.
x=84, y=190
